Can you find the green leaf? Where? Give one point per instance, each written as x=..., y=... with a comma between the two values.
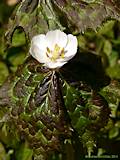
x=107, y=47
x=24, y=153
x=88, y=141
x=82, y=122
x=113, y=58
x=2, y=152
x=114, y=132
x=112, y=95
x=114, y=71
x=3, y=72
x=18, y=38
x=107, y=29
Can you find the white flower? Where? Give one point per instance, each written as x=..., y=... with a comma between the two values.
x=53, y=49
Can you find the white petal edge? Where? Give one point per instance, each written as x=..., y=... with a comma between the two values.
x=56, y=37
x=38, y=48
x=54, y=65
x=39, y=41
x=71, y=47
x=39, y=55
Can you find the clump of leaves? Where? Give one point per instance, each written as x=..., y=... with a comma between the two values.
x=61, y=114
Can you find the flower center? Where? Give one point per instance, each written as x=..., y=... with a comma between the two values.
x=56, y=53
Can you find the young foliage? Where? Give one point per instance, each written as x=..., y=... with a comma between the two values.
x=75, y=16
x=63, y=112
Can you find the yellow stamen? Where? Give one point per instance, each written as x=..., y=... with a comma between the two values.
x=56, y=53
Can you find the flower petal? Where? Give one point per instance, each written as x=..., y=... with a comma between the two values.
x=39, y=55
x=56, y=37
x=54, y=65
x=38, y=48
x=40, y=41
x=43, y=48
x=71, y=47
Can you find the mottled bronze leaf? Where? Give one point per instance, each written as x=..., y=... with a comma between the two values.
x=81, y=15
x=74, y=16
x=37, y=108
x=102, y=116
